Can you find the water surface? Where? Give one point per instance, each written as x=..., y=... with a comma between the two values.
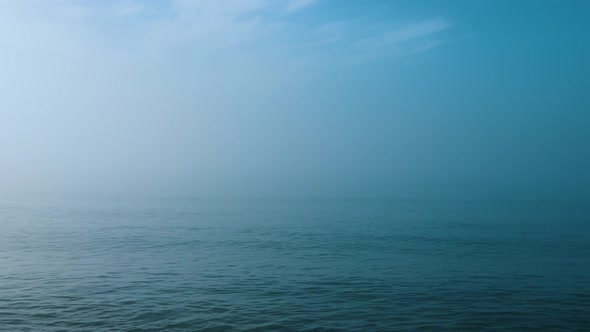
x=315, y=265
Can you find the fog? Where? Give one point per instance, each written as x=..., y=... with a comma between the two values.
x=445, y=99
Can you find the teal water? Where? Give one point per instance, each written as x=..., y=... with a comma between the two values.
x=298, y=265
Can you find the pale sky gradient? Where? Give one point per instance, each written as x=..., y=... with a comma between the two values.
x=409, y=99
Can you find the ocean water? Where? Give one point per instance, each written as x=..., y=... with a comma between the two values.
x=294, y=265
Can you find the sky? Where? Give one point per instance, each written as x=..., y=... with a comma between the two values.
x=327, y=98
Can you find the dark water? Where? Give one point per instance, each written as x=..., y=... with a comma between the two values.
x=301, y=265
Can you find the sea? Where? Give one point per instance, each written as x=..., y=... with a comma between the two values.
x=193, y=264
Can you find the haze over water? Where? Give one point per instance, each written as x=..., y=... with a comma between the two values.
x=294, y=165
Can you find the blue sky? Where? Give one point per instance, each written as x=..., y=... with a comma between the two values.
x=455, y=99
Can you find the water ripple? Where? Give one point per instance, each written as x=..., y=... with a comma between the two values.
x=292, y=267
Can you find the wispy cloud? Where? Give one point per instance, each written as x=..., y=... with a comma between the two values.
x=403, y=39
x=415, y=30
x=356, y=42
x=211, y=26
x=127, y=7
x=295, y=5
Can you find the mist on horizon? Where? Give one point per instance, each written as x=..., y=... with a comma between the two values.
x=444, y=99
